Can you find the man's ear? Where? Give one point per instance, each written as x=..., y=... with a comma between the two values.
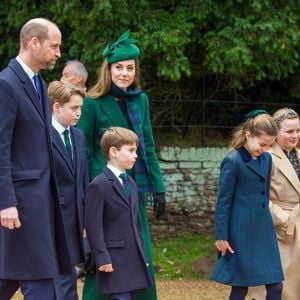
x=34, y=43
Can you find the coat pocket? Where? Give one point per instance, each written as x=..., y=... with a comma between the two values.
x=26, y=175
x=115, y=244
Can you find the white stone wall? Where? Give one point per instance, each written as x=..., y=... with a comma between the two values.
x=191, y=179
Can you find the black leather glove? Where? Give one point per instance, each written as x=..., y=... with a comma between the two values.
x=159, y=204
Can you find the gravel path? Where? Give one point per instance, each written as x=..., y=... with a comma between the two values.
x=181, y=290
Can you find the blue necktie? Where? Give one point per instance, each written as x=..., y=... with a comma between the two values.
x=68, y=143
x=37, y=85
x=125, y=185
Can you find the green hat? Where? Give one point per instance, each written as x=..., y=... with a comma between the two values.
x=124, y=48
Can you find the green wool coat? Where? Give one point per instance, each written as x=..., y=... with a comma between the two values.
x=96, y=116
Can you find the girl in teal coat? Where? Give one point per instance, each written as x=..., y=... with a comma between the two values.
x=117, y=100
x=244, y=230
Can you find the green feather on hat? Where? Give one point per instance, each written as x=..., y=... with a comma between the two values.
x=124, y=48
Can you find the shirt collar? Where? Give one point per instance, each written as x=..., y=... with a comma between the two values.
x=58, y=127
x=27, y=70
x=115, y=170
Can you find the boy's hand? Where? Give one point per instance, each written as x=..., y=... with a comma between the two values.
x=106, y=268
x=9, y=218
x=223, y=247
x=159, y=204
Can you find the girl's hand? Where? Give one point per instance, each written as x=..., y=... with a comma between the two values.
x=106, y=268
x=223, y=247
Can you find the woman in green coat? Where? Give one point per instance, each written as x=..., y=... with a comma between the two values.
x=117, y=100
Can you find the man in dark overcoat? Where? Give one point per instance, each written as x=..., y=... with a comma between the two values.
x=32, y=239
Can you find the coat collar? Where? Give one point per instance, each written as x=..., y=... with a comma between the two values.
x=61, y=149
x=284, y=165
x=28, y=86
x=261, y=169
x=112, y=110
x=116, y=184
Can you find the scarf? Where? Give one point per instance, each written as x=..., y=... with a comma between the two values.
x=141, y=171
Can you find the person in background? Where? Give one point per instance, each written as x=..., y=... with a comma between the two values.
x=244, y=230
x=71, y=173
x=285, y=200
x=32, y=238
x=117, y=100
x=75, y=73
x=112, y=203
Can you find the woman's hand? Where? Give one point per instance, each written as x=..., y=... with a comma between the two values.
x=223, y=247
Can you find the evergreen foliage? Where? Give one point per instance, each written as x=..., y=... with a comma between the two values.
x=191, y=49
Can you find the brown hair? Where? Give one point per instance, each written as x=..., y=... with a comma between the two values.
x=117, y=137
x=61, y=92
x=38, y=27
x=283, y=114
x=260, y=124
x=103, y=83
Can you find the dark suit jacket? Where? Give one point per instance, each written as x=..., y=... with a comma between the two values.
x=113, y=231
x=27, y=181
x=72, y=182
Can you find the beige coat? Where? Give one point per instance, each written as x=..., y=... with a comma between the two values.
x=285, y=210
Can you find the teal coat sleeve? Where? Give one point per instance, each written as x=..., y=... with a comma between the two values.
x=227, y=181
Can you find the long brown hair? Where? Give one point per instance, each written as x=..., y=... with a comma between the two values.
x=260, y=124
x=103, y=83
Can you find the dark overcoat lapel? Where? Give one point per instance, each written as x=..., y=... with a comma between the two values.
x=61, y=149
x=261, y=169
x=116, y=185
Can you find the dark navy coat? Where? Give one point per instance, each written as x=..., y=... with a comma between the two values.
x=72, y=180
x=244, y=220
x=114, y=233
x=36, y=249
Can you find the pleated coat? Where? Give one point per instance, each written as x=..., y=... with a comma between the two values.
x=244, y=220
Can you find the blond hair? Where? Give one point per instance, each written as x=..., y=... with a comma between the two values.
x=117, y=137
x=284, y=114
x=260, y=124
x=61, y=92
x=103, y=83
